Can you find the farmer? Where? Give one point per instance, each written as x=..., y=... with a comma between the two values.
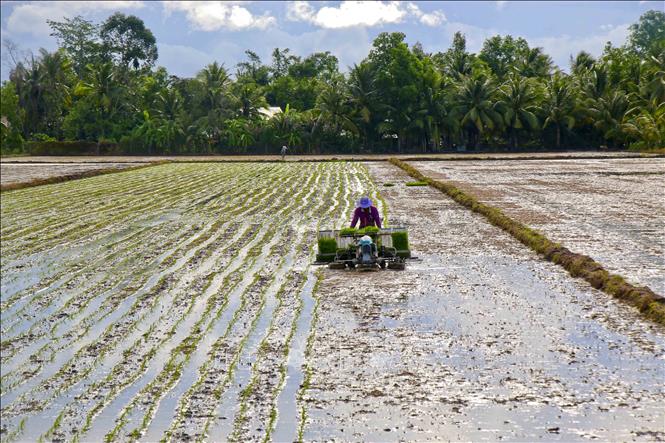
x=366, y=213
x=283, y=152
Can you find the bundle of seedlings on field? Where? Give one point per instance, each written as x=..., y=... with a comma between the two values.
x=388, y=185
x=327, y=245
x=417, y=183
x=348, y=231
x=368, y=230
x=400, y=241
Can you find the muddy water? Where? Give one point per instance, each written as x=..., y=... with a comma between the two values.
x=610, y=209
x=479, y=340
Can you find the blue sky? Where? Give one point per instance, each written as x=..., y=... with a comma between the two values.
x=192, y=34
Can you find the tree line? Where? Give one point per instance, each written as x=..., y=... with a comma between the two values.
x=102, y=85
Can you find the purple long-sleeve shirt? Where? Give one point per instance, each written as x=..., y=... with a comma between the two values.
x=367, y=217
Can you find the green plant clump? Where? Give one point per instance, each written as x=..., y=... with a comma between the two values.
x=327, y=246
x=348, y=231
x=418, y=183
x=400, y=241
x=388, y=185
x=368, y=230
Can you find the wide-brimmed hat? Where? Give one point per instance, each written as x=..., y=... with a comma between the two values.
x=364, y=202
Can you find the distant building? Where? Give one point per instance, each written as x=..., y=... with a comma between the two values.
x=270, y=112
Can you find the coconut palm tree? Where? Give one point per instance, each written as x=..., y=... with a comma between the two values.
x=286, y=126
x=215, y=80
x=534, y=63
x=364, y=99
x=475, y=108
x=332, y=109
x=646, y=125
x=517, y=104
x=608, y=113
x=250, y=98
x=559, y=105
x=102, y=86
x=55, y=77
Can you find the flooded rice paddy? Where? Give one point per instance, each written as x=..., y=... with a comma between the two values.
x=609, y=209
x=179, y=302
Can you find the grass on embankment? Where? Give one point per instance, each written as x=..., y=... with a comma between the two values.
x=75, y=176
x=650, y=304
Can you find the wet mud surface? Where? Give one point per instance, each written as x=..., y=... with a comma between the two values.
x=169, y=303
x=179, y=302
x=611, y=209
x=479, y=340
x=26, y=172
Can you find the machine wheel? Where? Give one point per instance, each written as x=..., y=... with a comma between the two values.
x=382, y=263
x=350, y=264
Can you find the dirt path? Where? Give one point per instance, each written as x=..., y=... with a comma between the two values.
x=313, y=157
x=480, y=340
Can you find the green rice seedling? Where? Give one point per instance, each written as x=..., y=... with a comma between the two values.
x=348, y=231
x=388, y=185
x=327, y=246
x=368, y=230
x=418, y=183
x=400, y=241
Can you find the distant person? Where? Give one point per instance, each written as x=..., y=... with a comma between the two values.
x=366, y=213
x=283, y=152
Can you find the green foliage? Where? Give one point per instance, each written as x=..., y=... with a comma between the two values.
x=648, y=32
x=368, y=230
x=400, y=241
x=348, y=231
x=100, y=84
x=126, y=39
x=327, y=246
x=11, y=140
x=417, y=183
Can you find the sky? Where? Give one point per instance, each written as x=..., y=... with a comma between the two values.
x=192, y=34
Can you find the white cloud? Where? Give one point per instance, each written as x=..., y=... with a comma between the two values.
x=213, y=16
x=31, y=17
x=360, y=13
x=500, y=4
x=433, y=19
